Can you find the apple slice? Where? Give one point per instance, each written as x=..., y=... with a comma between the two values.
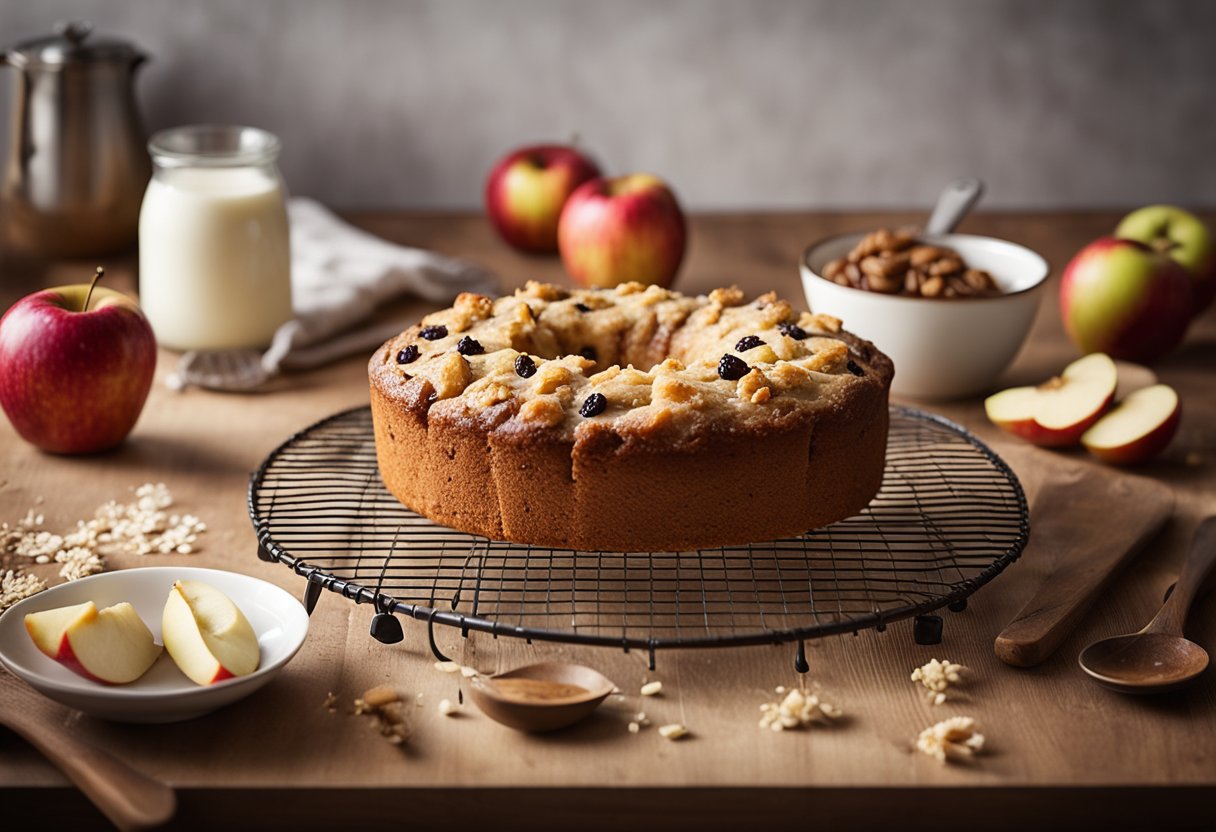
x=1059, y=410
x=1138, y=428
x=207, y=635
x=112, y=646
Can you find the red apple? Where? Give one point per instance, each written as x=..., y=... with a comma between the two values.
x=1182, y=236
x=76, y=363
x=526, y=190
x=1125, y=299
x=1059, y=410
x=616, y=230
x=1137, y=429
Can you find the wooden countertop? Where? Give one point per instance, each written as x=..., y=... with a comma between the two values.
x=1062, y=750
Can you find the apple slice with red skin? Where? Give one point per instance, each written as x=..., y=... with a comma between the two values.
x=1139, y=427
x=1057, y=412
x=112, y=646
x=207, y=635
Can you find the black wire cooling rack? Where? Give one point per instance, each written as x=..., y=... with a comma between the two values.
x=949, y=517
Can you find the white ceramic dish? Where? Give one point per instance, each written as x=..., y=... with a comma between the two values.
x=163, y=694
x=941, y=348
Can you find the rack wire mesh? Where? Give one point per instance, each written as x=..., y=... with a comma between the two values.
x=949, y=517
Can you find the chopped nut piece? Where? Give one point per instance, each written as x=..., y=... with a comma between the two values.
x=732, y=296
x=652, y=688
x=380, y=696
x=952, y=740
x=546, y=410
x=937, y=677
x=674, y=731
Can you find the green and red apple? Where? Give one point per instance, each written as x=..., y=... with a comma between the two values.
x=112, y=646
x=207, y=635
x=527, y=189
x=1126, y=299
x=76, y=364
x=628, y=228
x=1181, y=235
x=1057, y=412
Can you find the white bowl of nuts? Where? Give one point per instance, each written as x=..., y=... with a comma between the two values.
x=951, y=310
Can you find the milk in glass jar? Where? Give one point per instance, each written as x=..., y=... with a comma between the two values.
x=214, y=253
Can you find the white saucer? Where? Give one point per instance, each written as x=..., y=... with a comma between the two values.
x=163, y=694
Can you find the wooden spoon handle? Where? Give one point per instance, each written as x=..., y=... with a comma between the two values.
x=132, y=801
x=1199, y=563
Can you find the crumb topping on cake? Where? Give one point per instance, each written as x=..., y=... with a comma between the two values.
x=636, y=360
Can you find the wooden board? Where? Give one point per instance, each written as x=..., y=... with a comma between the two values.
x=1071, y=525
x=1059, y=745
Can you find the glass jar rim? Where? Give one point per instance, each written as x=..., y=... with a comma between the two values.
x=213, y=145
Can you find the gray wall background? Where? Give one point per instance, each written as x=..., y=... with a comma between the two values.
x=762, y=104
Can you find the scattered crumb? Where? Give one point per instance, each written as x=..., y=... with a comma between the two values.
x=952, y=740
x=387, y=712
x=418, y=700
x=641, y=719
x=937, y=677
x=446, y=708
x=447, y=667
x=1194, y=459
x=634, y=727
x=797, y=710
x=468, y=672
x=330, y=703
x=652, y=688
x=674, y=731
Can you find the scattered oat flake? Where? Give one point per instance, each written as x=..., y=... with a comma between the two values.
x=937, y=677
x=446, y=708
x=448, y=667
x=674, y=731
x=952, y=740
x=468, y=672
x=16, y=586
x=797, y=710
x=652, y=688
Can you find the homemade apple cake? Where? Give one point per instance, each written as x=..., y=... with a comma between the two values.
x=630, y=419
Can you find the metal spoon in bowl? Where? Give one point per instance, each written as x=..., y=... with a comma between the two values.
x=954, y=203
x=1158, y=658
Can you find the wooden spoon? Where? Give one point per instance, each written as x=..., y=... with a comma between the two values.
x=541, y=697
x=1158, y=658
x=129, y=799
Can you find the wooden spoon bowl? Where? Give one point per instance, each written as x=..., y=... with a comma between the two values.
x=541, y=697
x=1144, y=662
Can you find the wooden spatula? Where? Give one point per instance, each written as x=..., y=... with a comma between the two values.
x=1088, y=521
x=129, y=799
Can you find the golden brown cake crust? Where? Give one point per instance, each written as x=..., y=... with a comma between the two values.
x=680, y=458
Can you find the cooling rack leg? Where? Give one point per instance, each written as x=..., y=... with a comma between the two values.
x=800, y=662
x=927, y=629
x=312, y=594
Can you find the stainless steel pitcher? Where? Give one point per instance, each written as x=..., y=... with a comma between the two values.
x=77, y=166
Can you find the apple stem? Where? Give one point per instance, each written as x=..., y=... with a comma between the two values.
x=100, y=272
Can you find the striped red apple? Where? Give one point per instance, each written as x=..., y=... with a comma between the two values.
x=627, y=228
x=527, y=189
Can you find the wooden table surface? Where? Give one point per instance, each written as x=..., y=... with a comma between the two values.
x=1062, y=751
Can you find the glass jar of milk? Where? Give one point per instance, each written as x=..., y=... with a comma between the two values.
x=214, y=254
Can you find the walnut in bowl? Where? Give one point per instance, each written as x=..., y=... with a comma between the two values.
x=941, y=350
